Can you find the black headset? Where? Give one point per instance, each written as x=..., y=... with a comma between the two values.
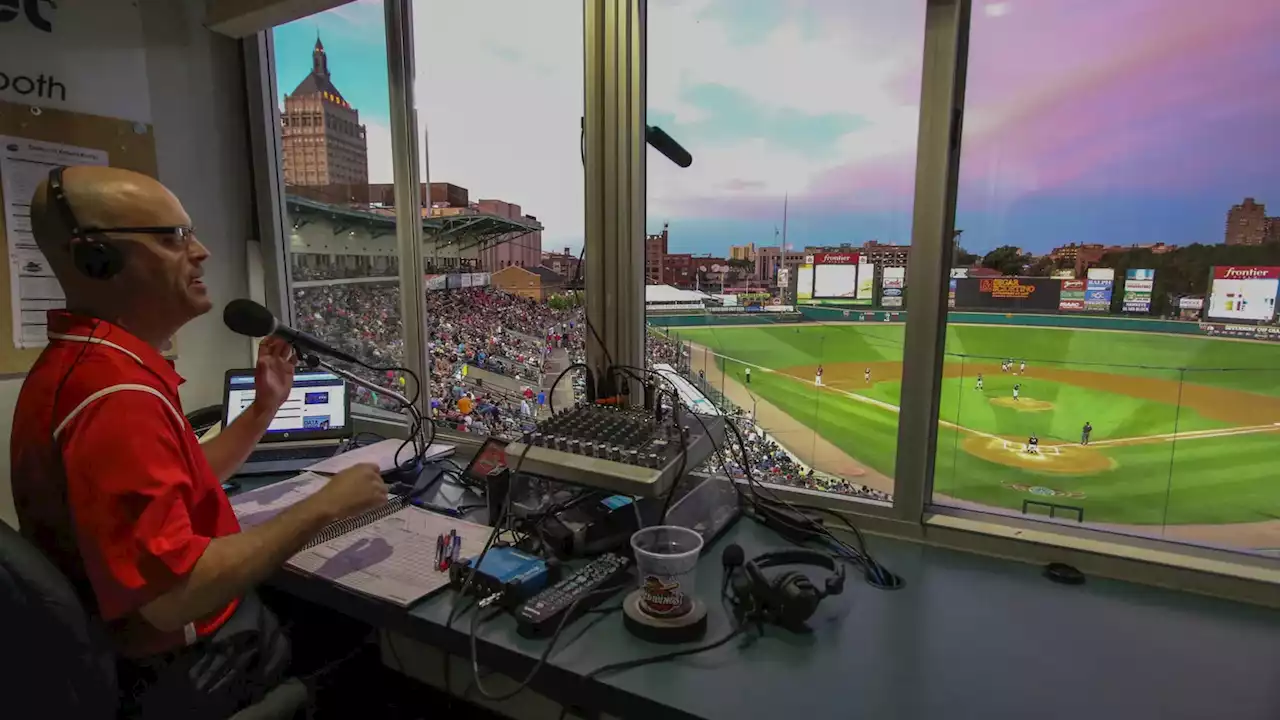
x=790, y=598
x=95, y=255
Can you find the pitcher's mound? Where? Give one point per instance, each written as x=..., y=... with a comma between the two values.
x=1064, y=460
x=1023, y=405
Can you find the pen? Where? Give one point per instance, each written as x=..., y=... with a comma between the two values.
x=457, y=547
x=451, y=512
x=440, y=552
x=451, y=543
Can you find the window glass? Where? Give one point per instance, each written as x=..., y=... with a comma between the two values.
x=1111, y=358
x=331, y=69
x=500, y=93
x=776, y=262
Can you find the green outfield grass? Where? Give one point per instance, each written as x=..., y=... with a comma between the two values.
x=1211, y=480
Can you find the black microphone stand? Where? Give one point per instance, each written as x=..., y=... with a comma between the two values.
x=409, y=472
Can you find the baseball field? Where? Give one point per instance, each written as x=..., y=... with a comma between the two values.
x=1185, y=429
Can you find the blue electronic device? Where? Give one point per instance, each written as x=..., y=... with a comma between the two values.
x=515, y=574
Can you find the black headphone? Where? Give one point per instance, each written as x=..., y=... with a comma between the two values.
x=789, y=599
x=95, y=255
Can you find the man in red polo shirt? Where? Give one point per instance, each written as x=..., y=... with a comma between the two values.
x=108, y=477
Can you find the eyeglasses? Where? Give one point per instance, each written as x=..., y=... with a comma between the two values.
x=183, y=232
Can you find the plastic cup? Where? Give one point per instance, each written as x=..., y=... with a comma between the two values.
x=667, y=564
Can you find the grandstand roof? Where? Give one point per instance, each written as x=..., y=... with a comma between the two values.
x=669, y=294
x=470, y=228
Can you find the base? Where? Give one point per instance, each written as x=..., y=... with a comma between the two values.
x=686, y=628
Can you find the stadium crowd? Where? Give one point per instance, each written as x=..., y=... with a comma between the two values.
x=512, y=336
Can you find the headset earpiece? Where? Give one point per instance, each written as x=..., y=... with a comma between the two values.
x=791, y=597
x=96, y=257
x=91, y=253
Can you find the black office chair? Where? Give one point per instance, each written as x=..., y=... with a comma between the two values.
x=57, y=659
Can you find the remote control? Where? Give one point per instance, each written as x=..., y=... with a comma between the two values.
x=541, y=614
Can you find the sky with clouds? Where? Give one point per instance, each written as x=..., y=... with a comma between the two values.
x=1113, y=121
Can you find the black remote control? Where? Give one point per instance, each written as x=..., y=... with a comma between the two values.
x=541, y=614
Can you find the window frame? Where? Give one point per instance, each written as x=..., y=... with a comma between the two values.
x=913, y=515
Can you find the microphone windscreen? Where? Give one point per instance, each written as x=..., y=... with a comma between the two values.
x=733, y=556
x=247, y=317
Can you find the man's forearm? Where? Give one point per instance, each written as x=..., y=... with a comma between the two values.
x=228, y=451
x=233, y=565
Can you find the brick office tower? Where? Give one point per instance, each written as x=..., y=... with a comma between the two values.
x=1248, y=224
x=325, y=148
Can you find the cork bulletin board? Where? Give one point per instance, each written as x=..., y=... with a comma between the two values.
x=125, y=143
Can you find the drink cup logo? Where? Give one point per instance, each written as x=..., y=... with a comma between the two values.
x=663, y=597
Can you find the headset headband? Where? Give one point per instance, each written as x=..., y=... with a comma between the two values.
x=59, y=195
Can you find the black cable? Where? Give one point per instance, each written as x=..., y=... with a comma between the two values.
x=542, y=658
x=551, y=401
x=665, y=657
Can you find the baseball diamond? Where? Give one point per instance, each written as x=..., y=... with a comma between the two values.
x=1184, y=428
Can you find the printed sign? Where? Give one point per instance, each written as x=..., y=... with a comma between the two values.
x=1190, y=303
x=1008, y=293
x=1244, y=293
x=835, y=258
x=1138, y=286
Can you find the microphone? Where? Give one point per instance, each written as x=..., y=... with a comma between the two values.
x=247, y=317
x=665, y=144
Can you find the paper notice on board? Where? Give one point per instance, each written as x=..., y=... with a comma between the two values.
x=32, y=287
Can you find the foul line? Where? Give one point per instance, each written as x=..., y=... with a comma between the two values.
x=1168, y=437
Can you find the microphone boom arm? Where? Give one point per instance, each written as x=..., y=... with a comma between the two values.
x=313, y=361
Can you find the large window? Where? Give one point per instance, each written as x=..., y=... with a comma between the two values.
x=1094, y=191
x=331, y=70
x=499, y=92
x=792, y=226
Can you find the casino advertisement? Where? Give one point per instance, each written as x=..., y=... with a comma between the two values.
x=1008, y=293
x=1244, y=293
x=1138, y=285
x=1071, y=299
x=892, y=284
x=1097, y=291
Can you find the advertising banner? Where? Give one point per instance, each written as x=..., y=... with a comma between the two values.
x=804, y=283
x=1101, y=274
x=835, y=281
x=832, y=259
x=1138, y=285
x=1071, y=299
x=1063, y=274
x=866, y=282
x=1008, y=293
x=1244, y=293
x=435, y=282
x=1097, y=295
x=957, y=273
x=951, y=293
x=1191, y=303
x=1252, y=332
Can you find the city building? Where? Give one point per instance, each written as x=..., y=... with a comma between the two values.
x=874, y=252
x=1248, y=224
x=677, y=270
x=440, y=195
x=655, y=250
x=565, y=263
x=743, y=252
x=325, y=148
x=518, y=249
x=771, y=259
x=536, y=283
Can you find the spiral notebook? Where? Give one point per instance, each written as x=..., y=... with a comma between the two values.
x=388, y=553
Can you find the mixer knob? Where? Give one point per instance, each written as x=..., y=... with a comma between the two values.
x=632, y=457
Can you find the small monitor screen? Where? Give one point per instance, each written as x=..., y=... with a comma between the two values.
x=317, y=403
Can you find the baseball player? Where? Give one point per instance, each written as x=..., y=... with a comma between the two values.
x=1017, y=389
x=817, y=378
x=978, y=386
x=1004, y=365
x=1022, y=369
x=1033, y=445
x=866, y=375
x=1085, y=432
x=748, y=376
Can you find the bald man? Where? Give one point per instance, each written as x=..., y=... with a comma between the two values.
x=108, y=477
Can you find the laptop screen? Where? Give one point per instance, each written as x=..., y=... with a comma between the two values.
x=318, y=406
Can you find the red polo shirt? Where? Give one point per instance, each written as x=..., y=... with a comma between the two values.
x=109, y=479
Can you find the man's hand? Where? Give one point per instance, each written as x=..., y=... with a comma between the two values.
x=352, y=491
x=274, y=377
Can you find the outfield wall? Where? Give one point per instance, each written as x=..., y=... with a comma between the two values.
x=834, y=315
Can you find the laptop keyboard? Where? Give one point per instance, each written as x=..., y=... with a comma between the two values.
x=296, y=453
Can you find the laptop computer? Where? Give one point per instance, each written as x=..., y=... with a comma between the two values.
x=307, y=428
